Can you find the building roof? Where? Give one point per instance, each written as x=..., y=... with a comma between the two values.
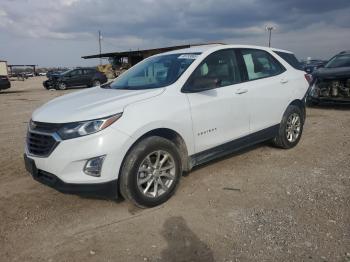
x=147, y=51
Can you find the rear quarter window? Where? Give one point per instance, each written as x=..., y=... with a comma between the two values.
x=260, y=64
x=290, y=59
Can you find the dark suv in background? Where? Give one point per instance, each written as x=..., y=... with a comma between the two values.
x=80, y=77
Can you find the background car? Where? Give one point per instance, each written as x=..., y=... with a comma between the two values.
x=80, y=77
x=331, y=84
x=29, y=74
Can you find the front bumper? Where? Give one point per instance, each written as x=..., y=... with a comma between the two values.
x=66, y=162
x=108, y=189
x=49, y=84
x=326, y=100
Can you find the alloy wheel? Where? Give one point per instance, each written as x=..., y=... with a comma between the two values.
x=156, y=174
x=293, y=127
x=62, y=86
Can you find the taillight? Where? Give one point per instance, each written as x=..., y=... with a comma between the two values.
x=308, y=78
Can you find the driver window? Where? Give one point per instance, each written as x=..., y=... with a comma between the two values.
x=75, y=72
x=221, y=65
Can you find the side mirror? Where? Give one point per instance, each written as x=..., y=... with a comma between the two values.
x=200, y=84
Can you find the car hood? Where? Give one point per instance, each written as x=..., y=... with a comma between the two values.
x=90, y=104
x=331, y=73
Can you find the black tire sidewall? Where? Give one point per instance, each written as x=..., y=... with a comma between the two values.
x=134, y=160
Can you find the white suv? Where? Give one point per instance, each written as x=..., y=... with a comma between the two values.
x=170, y=112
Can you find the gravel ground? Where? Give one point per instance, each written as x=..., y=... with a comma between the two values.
x=263, y=204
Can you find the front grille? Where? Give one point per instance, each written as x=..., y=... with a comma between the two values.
x=40, y=144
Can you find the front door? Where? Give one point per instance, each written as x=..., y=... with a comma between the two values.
x=219, y=115
x=76, y=78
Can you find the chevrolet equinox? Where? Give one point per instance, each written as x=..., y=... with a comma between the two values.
x=136, y=136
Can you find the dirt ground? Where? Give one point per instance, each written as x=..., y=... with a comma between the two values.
x=263, y=204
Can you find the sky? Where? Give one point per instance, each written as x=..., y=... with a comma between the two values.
x=59, y=32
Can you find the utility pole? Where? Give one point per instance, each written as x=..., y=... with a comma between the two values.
x=269, y=28
x=99, y=43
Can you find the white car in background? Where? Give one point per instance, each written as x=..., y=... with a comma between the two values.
x=170, y=112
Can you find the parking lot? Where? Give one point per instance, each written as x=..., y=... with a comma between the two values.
x=263, y=204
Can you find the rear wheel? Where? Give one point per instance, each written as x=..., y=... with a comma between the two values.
x=151, y=172
x=291, y=128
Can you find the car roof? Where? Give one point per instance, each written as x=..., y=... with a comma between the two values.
x=214, y=47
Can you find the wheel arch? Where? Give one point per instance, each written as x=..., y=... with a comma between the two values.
x=299, y=103
x=171, y=135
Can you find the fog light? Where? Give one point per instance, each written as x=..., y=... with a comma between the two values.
x=93, y=166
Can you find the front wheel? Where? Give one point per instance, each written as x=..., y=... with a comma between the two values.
x=151, y=172
x=62, y=86
x=291, y=128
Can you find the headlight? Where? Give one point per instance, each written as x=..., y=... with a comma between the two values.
x=77, y=129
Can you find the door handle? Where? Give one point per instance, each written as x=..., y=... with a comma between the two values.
x=284, y=80
x=241, y=91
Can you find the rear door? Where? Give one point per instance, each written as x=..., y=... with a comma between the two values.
x=88, y=75
x=266, y=85
x=218, y=115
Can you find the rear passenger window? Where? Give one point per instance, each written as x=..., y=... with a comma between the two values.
x=260, y=64
x=76, y=72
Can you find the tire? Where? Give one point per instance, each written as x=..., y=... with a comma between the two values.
x=96, y=83
x=139, y=172
x=61, y=86
x=291, y=128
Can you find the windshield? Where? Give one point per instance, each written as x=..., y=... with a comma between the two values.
x=154, y=72
x=339, y=61
x=64, y=72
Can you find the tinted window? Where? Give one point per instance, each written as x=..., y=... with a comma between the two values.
x=154, y=72
x=339, y=61
x=290, y=59
x=260, y=64
x=221, y=65
x=76, y=72
x=88, y=71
